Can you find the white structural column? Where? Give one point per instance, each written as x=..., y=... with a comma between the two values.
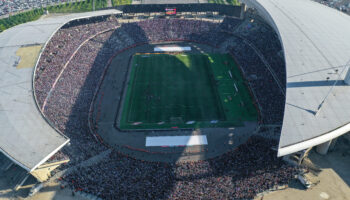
x=323, y=148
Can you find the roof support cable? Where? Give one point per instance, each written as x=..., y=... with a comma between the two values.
x=331, y=89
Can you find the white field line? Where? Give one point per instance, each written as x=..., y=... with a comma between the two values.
x=171, y=49
x=171, y=141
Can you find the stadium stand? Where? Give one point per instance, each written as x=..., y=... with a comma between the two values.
x=249, y=170
x=87, y=48
x=228, y=10
x=75, y=59
x=57, y=102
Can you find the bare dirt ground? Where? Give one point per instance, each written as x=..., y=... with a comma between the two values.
x=28, y=56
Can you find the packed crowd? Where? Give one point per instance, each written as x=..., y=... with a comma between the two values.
x=68, y=106
x=258, y=32
x=268, y=95
x=229, y=24
x=251, y=169
x=223, y=9
x=62, y=46
x=239, y=174
x=57, y=157
x=175, y=29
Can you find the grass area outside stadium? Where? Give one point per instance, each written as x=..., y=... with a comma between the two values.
x=185, y=91
x=121, y=2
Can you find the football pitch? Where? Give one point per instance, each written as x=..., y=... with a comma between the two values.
x=167, y=91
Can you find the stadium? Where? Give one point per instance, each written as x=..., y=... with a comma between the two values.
x=174, y=101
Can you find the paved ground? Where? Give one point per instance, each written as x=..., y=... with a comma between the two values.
x=54, y=192
x=334, y=178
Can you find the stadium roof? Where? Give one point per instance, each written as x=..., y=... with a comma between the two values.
x=26, y=137
x=316, y=44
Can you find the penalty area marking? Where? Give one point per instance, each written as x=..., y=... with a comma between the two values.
x=172, y=141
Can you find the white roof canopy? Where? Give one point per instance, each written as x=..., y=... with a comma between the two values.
x=25, y=136
x=316, y=44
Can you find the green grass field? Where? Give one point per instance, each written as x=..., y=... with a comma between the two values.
x=185, y=91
